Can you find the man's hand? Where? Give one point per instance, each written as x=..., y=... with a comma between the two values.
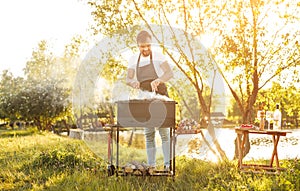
x=155, y=83
x=135, y=84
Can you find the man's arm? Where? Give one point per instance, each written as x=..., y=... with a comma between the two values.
x=130, y=79
x=167, y=74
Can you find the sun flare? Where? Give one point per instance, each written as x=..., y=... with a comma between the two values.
x=207, y=40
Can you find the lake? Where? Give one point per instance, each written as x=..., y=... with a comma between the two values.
x=194, y=146
x=261, y=145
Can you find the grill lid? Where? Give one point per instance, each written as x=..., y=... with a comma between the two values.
x=146, y=113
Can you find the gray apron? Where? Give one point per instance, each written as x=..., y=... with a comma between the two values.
x=146, y=74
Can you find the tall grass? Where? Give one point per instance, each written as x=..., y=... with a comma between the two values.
x=44, y=161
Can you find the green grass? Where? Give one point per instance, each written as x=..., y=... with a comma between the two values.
x=17, y=133
x=44, y=161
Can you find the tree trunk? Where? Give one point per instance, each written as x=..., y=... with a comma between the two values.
x=211, y=131
x=38, y=123
x=247, y=119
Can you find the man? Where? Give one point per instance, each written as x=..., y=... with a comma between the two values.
x=148, y=71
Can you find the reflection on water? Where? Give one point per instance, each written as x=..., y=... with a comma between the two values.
x=132, y=146
x=261, y=146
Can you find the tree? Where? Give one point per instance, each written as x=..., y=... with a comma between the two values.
x=55, y=78
x=9, y=89
x=193, y=60
x=43, y=104
x=259, y=47
x=44, y=95
x=247, y=48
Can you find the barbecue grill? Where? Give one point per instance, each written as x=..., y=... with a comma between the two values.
x=148, y=113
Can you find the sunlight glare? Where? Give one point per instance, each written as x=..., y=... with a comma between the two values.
x=102, y=86
x=207, y=40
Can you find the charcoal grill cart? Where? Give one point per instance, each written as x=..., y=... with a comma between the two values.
x=146, y=114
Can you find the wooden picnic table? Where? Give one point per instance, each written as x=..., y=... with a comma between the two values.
x=242, y=133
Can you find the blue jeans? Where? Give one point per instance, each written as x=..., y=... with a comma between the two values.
x=151, y=147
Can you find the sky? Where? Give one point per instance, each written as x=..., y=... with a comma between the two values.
x=24, y=23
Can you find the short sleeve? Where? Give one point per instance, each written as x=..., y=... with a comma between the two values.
x=132, y=61
x=159, y=57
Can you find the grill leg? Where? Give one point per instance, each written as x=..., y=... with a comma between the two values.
x=173, y=144
x=171, y=150
x=111, y=167
x=117, y=160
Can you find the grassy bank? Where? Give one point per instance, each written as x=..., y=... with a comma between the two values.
x=44, y=161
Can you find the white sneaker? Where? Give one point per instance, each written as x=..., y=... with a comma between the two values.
x=167, y=168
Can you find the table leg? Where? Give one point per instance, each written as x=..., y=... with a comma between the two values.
x=275, y=153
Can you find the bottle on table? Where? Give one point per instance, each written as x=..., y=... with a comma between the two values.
x=269, y=119
x=277, y=118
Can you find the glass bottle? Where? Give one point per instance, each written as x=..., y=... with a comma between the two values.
x=277, y=118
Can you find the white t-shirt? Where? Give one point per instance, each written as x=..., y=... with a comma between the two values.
x=157, y=58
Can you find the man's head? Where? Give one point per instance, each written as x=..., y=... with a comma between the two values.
x=144, y=40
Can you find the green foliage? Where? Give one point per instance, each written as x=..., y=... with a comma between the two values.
x=40, y=63
x=44, y=95
x=184, y=94
x=287, y=97
x=41, y=102
x=18, y=133
x=110, y=16
x=9, y=89
x=254, y=54
x=113, y=66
